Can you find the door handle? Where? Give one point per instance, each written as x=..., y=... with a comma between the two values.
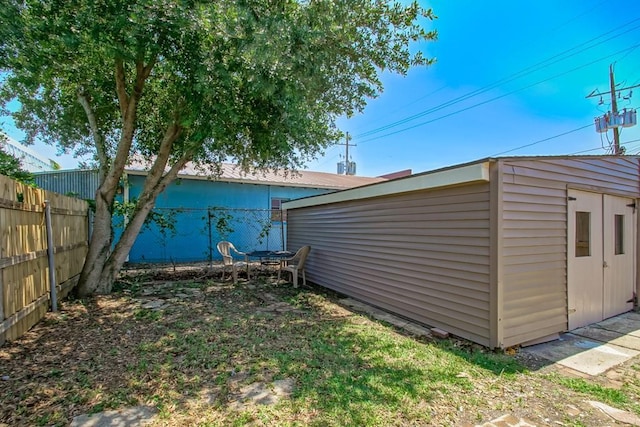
x=604, y=264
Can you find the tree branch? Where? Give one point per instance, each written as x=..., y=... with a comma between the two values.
x=142, y=73
x=101, y=147
x=164, y=152
x=121, y=90
x=173, y=172
x=149, y=67
x=129, y=117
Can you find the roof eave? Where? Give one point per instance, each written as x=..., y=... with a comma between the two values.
x=466, y=174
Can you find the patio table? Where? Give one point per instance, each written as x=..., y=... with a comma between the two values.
x=267, y=257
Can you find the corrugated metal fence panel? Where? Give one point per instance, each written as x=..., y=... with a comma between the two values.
x=534, y=224
x=76, y=183
x=423, y=255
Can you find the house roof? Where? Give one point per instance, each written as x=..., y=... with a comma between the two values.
x=302, y=178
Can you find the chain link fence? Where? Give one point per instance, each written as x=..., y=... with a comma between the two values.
x=185, y=235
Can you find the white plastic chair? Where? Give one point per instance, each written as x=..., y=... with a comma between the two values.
x=226, y=248
x=295, y=265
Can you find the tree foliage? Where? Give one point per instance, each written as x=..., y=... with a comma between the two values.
x=257, y=82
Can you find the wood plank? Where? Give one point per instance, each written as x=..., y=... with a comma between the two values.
x=23, y=250
x=18, y=259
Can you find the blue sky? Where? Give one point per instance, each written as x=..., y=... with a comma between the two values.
x=537, y=60
x=510, y=77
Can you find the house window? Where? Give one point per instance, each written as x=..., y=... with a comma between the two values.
x=619, y=234
x=583, y=234
x=277, y=215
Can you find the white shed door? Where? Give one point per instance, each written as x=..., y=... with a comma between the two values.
x=584, y=244
x=600, y=256
x=619, y=253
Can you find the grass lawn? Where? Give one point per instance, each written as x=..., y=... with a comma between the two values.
x=192, y=357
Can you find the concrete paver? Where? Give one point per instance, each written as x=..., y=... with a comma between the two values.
x=627, y=323
x=581, y=354
x=617, y=414
x=596, y=348
x=612, y=337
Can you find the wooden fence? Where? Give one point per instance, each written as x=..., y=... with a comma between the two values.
x=24, y=270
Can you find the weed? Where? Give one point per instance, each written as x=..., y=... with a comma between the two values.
x=147, y=314
x=56, y=373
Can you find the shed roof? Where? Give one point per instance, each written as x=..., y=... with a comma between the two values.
x=443, y=177
x=476, y=171
x=232, y=173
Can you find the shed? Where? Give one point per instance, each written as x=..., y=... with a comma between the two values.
x=501, y=251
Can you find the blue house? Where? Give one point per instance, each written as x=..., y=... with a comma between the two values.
x=196, y=211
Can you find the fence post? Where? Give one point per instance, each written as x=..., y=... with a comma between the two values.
x=282, y=222
x=2, y=334
x=52, y=264
x=210, y=238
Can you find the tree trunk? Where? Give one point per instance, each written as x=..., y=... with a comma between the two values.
x=155, y=183
x=97, y=260
x=98, y=252
x=118, y=257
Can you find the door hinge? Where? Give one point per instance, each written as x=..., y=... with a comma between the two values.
x=571, y=198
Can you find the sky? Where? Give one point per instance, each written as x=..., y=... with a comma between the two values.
x=511, y=78
x=508, y=75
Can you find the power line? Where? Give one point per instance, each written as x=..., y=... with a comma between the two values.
x=526, y=71
x=417, y=100
x=331, y=158
x=543, y=140
x=558, y=136
x=587, y=151
x=484, y=89
x=633, y=150
x=602, y=148
x=624, y=56
x=580, y=15
x=553, y=30
x=496, y=98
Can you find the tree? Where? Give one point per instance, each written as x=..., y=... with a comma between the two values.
x=258, y=82
x=12, y=167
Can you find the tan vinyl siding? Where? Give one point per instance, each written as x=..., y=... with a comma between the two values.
x=534, y=235
x=423, y=255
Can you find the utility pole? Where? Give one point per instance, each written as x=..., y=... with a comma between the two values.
x=346, y=154
x=614, y=120
x=346, y=160
x=614, y=111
